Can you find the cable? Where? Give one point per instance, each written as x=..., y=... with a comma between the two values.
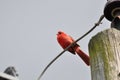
x=96, y=24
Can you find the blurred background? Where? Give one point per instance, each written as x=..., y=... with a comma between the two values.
x=28, y=31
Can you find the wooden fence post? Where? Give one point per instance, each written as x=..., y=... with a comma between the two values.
x=104, y=50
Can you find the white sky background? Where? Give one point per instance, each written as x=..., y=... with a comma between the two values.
x=28, y=36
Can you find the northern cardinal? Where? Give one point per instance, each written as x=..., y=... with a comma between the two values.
x=65, y=40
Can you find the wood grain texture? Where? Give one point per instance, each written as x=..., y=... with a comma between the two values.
x=104, y=50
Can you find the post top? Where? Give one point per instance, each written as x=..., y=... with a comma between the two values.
x=6, y=76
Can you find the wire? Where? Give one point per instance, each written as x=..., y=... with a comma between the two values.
x=96, y=24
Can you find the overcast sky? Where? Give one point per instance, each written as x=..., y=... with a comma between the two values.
x=28, y=31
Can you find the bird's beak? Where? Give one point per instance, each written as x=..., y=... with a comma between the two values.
x=57, y=33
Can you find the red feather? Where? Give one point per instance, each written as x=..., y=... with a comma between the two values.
x=65, y=40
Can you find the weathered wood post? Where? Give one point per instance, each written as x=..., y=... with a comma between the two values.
x=105, y=55
x=104, y=48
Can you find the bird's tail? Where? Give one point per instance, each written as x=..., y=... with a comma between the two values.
x=84, y=56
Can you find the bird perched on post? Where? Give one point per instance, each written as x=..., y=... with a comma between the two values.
x=65, y=40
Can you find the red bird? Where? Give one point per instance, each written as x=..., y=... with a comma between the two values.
x=65, y=40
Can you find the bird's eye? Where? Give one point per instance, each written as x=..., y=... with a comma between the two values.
x=59, y=32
